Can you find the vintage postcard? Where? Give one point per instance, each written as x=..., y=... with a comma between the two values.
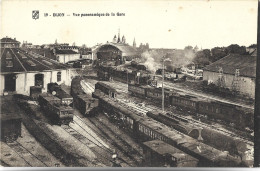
x=112, y=83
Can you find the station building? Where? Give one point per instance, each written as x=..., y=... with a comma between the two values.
x=235, y=72
x=66, y=55
x=117, y=51
x=21, y=70
x=7, y=42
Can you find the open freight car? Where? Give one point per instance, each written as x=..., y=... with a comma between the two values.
x=160, y=154
x=85, y=103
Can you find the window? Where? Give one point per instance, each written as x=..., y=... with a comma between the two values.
x=58, y=76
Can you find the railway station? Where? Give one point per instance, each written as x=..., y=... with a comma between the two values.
x=117, y=112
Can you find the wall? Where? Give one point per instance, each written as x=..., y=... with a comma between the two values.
x=246, y=84
x=64, y=58
x=25, y=80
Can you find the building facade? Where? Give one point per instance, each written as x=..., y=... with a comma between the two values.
x=21, y=70
x=235, y=72
x=66, y=55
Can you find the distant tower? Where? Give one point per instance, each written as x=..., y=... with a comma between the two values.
x=147, y=45
x=56, y=42
x=114, y=39
x=123, y=39
x=118, y=38
x=196, y=48
x=134, y=44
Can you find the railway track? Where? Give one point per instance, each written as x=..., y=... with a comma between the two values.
x=119, y=143
x=123, y=160
x=145, y=109
x=102, y=153
x=31, y=159
x=198, y=123
x=137, y=149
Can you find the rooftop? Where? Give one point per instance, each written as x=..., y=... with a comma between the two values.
x=65, y=51
x=126, y=49
x=15, y=60
x=163, y=149
x=8, y=40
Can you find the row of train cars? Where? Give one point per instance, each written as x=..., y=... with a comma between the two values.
x=159, y=138
x=240, y=117
x=188, y=150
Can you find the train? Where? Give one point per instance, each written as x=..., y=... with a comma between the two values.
x=85, y=103
x=107, y=73
x=134, y=64
x=230, y=113
x=11, y=120
x=57, y=91
x=143, y=128
x=208, y=135
x=160, y=154
x=108, y=90
x=52, y=106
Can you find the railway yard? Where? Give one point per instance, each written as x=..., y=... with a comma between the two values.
x=112, y=132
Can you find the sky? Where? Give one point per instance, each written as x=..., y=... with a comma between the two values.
x=161, y=23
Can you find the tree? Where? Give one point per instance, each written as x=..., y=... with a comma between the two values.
x=253, y=46
x=188, y=48
x=234, y=48
x=217, y=53
x=202, y=58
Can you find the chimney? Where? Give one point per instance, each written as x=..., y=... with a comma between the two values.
x=14, y=38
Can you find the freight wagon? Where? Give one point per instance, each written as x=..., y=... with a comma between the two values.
x=85, y=103
x=160, y=154
x=58, y=113
x=57, y=91
x=10, y=120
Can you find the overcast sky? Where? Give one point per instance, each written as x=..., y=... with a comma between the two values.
x=162, y=24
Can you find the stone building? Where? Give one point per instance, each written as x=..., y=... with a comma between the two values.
x=21, y=70
x=66, y=55
x=236, y=72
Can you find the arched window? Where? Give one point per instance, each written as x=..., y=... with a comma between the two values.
x=58, y=76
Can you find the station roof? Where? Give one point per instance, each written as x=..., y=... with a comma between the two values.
x=245, y=63
x=15, y=60
x=126, y=49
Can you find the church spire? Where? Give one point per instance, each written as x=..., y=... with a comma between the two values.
x=123, y=39
x=118, y=38
x=134, y=44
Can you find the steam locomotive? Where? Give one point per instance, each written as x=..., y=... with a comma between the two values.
x=134, y=77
